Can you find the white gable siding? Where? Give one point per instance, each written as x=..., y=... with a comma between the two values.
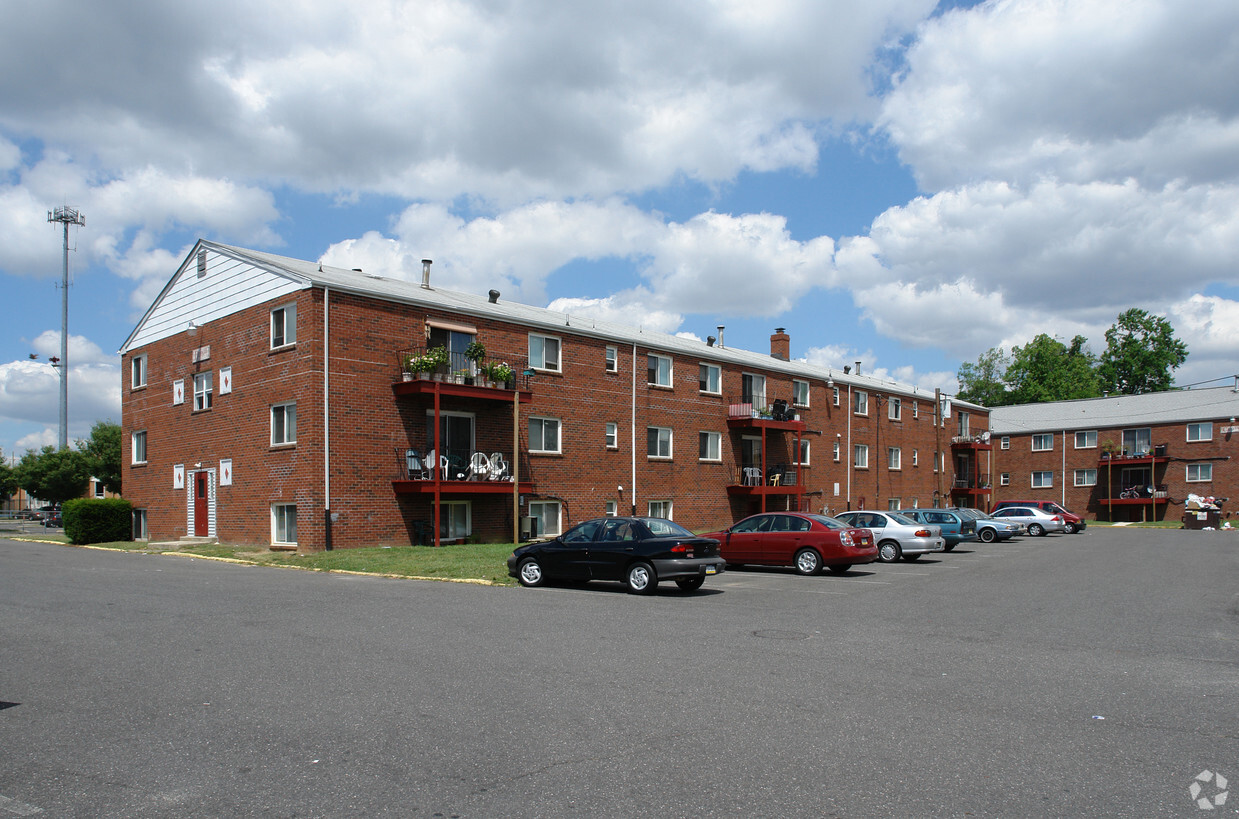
x=228, y=287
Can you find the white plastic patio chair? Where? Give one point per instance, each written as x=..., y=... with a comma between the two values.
x=479, y=467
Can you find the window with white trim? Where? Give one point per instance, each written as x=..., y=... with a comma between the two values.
x=658, y=370
x=455, y=520
x=137, y=369
x=284, y=523
x=284, y=423
x=1086, y=477
x=1043, y=442
x=753, y=389
x=800, y=392
x=1004, y=479
x=834, y=396
x=1042, y=479
x=860, y=456
x=1199, y=473
x=914, y=457
x=660, y=509
x=1202, y=431
x=612, y=359
x=137, y=442
x=1086, y=439
x=916, y=413
x=202, y=391
x=837, y=454
x=544, y=435
x=612, y=435
x=611, y=508
x=964, y=419
x=547, y=515
x=893, y=504
x=140, y=530
x=284, y=326
x=894, y=409
x=894, y=457
x=802, y=458
x=1005, y=442
x=658, y=442
x=709, y=446
x=709, y=378
x=544, y=352
x=860, y=402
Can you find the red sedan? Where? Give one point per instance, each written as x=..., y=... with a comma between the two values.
x=807, y=542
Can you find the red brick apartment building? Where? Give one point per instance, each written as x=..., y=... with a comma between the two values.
x=1125, y=458
x=271, y=401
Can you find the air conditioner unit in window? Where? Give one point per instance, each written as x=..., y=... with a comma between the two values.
x=529, y=527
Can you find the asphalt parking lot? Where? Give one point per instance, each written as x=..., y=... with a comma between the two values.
x=1086, y=675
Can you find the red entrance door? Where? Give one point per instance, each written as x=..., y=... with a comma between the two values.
x=202, y=526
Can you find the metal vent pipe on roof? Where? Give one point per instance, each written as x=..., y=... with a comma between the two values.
x=426, y=274
x=494, y=297
x=720, y=335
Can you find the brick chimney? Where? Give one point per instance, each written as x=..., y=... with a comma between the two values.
x=781, y=345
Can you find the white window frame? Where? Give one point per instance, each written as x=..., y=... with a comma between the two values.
x=1200, y=427
x=835, y=396
x=964, y=421
x=612, y=435
x=283, y=326
x=141, y=529
x=203, y=387
x=1005, y=442
x=916, y=413
x=894, y=409
x=137, y=372
x=1042, y=479
x=1084, y=437
x=289, y=428
x=801, y=458
x=1043, y=442
x=447, y=520
x=611, y=508
x=654, y=362
x=543, y=422
x=713, y=445
x=837, y=451
x=542, y=510
x=914, y=458
x=860, y=402
x=894, y=458
x=709, y=379
x=659, y=441
x=893, y=504
x=612, y=359
x=1086, y=477
x=279, y=524
x=1004, y=479
x=1203, y=473
x=538, y=358
x=860, y=456
x=137, y=442
x=661, y=509
x=757, y=389
x=800, y=393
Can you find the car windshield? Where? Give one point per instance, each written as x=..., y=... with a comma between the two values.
x=661, y=527
x=904, y=519
x=829, y=522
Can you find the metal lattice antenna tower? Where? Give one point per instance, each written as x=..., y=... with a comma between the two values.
x=66, y=216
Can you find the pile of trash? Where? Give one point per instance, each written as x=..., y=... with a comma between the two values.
x=1202, y=503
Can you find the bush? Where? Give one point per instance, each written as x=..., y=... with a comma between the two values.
x=93, y=520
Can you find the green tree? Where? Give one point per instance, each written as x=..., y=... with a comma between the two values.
x=8, y=480
x=102, y=450
x=1141, y=351
x=982, y=383
x=1045, y=369
x=54, y=475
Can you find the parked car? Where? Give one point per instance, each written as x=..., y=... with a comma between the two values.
x=1073, y=522
x=991, y=529
x=52, y=520
x=636, y=551
x=806, y=542
x=897, y=536
x=1038, y=522
x=956, y=528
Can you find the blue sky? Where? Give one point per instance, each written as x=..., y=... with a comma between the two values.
x=900, y=182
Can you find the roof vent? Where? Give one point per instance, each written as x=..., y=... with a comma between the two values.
x=720, y=334
x=858, y=368
x=710, y=341
x=494, y=297
x=426, y=274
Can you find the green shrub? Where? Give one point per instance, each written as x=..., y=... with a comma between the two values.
x=94, y=520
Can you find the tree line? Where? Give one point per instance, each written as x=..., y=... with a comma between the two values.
x=1140, y=356
x=57, y=475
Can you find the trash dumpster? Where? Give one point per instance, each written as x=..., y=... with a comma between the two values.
x=1200, y=519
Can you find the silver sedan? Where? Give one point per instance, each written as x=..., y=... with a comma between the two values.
x=1039, y=523
x=897, y=535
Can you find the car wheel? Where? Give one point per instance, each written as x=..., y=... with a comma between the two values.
x=840, y=568
x=690, y=583
x=889, y=551
x=986, y=535
x=1071, y=528
x=1036, y=529
x=808, y=562
x=948, y=547
x=530, y=573
x=911, y=558
x=641, y=578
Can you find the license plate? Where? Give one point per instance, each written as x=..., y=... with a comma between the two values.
x=711, y=569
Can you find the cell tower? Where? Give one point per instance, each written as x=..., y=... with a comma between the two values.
x=66, y=216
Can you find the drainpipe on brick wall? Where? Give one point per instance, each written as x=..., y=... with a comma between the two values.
x=847, y=454
x=632, y=496
x=326, y=420
x=1063, y=493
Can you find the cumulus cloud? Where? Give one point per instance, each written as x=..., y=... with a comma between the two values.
x=30, y=392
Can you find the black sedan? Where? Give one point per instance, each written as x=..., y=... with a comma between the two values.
x=638, y=552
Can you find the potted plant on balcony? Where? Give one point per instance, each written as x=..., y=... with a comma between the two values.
x=1107, y=449
x=500, y=373
x=436, y=359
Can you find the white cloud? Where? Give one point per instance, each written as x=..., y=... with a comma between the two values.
x=30, y=392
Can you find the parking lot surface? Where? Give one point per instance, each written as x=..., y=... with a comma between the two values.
x=1085, y=675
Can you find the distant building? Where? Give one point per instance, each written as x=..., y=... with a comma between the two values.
x=269, y=400
x=1124, y=458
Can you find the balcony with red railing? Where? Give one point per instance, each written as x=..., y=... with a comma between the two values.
x=458, y=473
x=976, y=443
x=750, y=412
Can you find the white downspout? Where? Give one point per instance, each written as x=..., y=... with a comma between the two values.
x=847, y=455
x=632, y=495
x=327, y=412
x=1063, y=502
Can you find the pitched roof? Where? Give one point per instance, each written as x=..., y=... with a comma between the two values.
x=1172, y=406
